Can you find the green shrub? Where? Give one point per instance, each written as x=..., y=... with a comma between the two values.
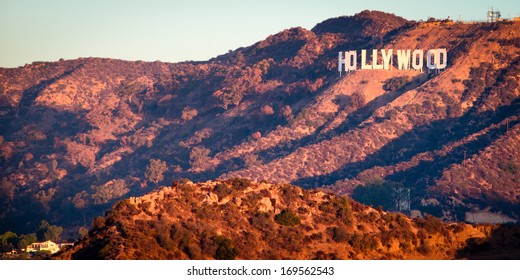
x=165, y=241
x=180, y=236
x=343, y=210
x=396, y=83
x=287, y=218
x=205, y=211
x=509, y=166
x=290, y=193
x=261, y=221
x=99, y=222
x=431, y=224
x=222, y=190
x=225, y=249
x=340, y=207
x=326, y=207
x=363, y=242
x=303, y=210
x=105, y=252
x=425, y=249
x=341, y=234
x=251, y=200
x=240, y=183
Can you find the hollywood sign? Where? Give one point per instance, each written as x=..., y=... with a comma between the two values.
x=436, y=59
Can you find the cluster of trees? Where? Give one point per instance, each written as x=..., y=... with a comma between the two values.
x=107, y=192
x=12, y=241
x=390, y=195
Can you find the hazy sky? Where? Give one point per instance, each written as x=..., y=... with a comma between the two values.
x=175, y=30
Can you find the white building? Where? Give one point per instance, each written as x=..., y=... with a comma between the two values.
x=43, y=246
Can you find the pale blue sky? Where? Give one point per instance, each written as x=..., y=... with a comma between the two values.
x=172, y=31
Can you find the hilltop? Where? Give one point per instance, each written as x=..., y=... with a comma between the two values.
x=237, y=219
x=76, y=136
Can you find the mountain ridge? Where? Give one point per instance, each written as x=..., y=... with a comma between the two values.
x=238, y=219
x=79, y=135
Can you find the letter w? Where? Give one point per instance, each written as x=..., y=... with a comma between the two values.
x=403, y=59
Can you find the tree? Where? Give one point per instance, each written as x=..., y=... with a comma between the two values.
x=251, y=160
x=7, y=190
x=155, y=171
x=53, y=170
x=199, y=157
x=267, y=110
x=26, y=240
x=287, y=113
x=111, y=190
x=8, y=241
x=99, y=222
x=83, y=231
x=189, y=113
x=390, y=195
x=80, y=200
x=47, y=231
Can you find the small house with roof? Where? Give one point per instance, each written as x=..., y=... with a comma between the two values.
x=43, y=246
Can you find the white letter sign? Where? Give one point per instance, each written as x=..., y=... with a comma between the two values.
x=406, y=60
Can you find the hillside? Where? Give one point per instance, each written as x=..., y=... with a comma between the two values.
x=239, y=219
x=76, y=136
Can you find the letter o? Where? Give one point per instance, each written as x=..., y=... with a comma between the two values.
x=429, y=59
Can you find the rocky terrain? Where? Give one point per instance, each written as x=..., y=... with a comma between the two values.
x=237, y=219
x=76, y=136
